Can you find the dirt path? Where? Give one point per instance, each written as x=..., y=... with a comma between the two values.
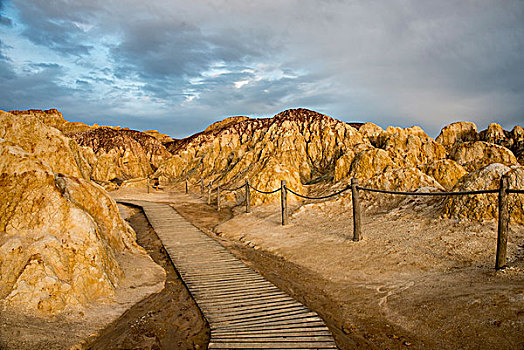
x=166, y=320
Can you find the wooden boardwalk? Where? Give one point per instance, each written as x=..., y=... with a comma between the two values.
x=244, y=310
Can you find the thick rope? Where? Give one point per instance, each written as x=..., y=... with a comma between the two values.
x=264, y=192
x=323, y=197
x=234, y=189
x=428, y=193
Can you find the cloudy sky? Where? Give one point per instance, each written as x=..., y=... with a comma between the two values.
x=178, y=65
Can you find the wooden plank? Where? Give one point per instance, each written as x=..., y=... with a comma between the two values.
x=260, y=315
x=251, y=301
x=234, y=290
x=273, y=333
x=278, y=338
x=275, y=345
x=231, y=281
x=239, y=297
x=283, y=324
x=256, y=306
x=264, y=318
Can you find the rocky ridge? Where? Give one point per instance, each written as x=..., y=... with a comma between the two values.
x=317, y=154
x=109, y=155
x=120, y=154
x=299, y=146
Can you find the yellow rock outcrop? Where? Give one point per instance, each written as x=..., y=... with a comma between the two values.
x=446, y=171
x=370, y=132
x=57, y=151
x=410, y=147
x=457, y=132
x=60, y=234
x=369, y=163
x=493, y=134
x=159, y=136
x=120, y=154
x=485, y=206
x=54, y=118
x=477, y=154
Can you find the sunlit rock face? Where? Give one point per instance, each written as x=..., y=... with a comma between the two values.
x=457, y=133
x=308, y=149
x=512, y=140
x=445, y=171
x=485, y=206
x=299, y=146
x=120, y=154
x=474, y=155
x=108, y=154
x=54, y=118
x=159, y=136
x=59, y=233
x=59, y=152
x=410, y=147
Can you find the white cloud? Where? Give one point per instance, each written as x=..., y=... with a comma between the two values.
x=239, y=84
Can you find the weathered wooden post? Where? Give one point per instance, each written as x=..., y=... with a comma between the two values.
x=218, y=197
x=283, y=201
x=356, y=209
x=503, y=222
x=147, y=183
x=201, y=186
x=187, y=188
x=209, y=192
x=248, y=197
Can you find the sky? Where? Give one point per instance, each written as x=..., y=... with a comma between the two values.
x=177, y=66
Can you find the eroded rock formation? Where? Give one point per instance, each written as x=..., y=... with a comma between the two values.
x=299, y=146
x=120, y=154
x=313, y=152
x=485, y=206
x=60, y=234
x=54, y=118
x=475, y=155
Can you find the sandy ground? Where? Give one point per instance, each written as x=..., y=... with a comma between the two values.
x=71, y=328
x=414, y=281
x=169, y=319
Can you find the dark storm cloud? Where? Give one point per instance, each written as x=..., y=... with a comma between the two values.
x=31, y=89
x=390, y=62
x=5, y=21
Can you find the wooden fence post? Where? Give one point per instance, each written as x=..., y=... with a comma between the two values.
x=187, y=189
x=209, y=192
x=356, y=210
x=283, y=201
x=147, y=183
x=218, y=198
x=503, y=222
x=201, y=186
x=248, y=197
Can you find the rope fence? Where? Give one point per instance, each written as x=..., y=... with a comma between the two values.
x=461, y=193
x=502, y=191
x=322, y=197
